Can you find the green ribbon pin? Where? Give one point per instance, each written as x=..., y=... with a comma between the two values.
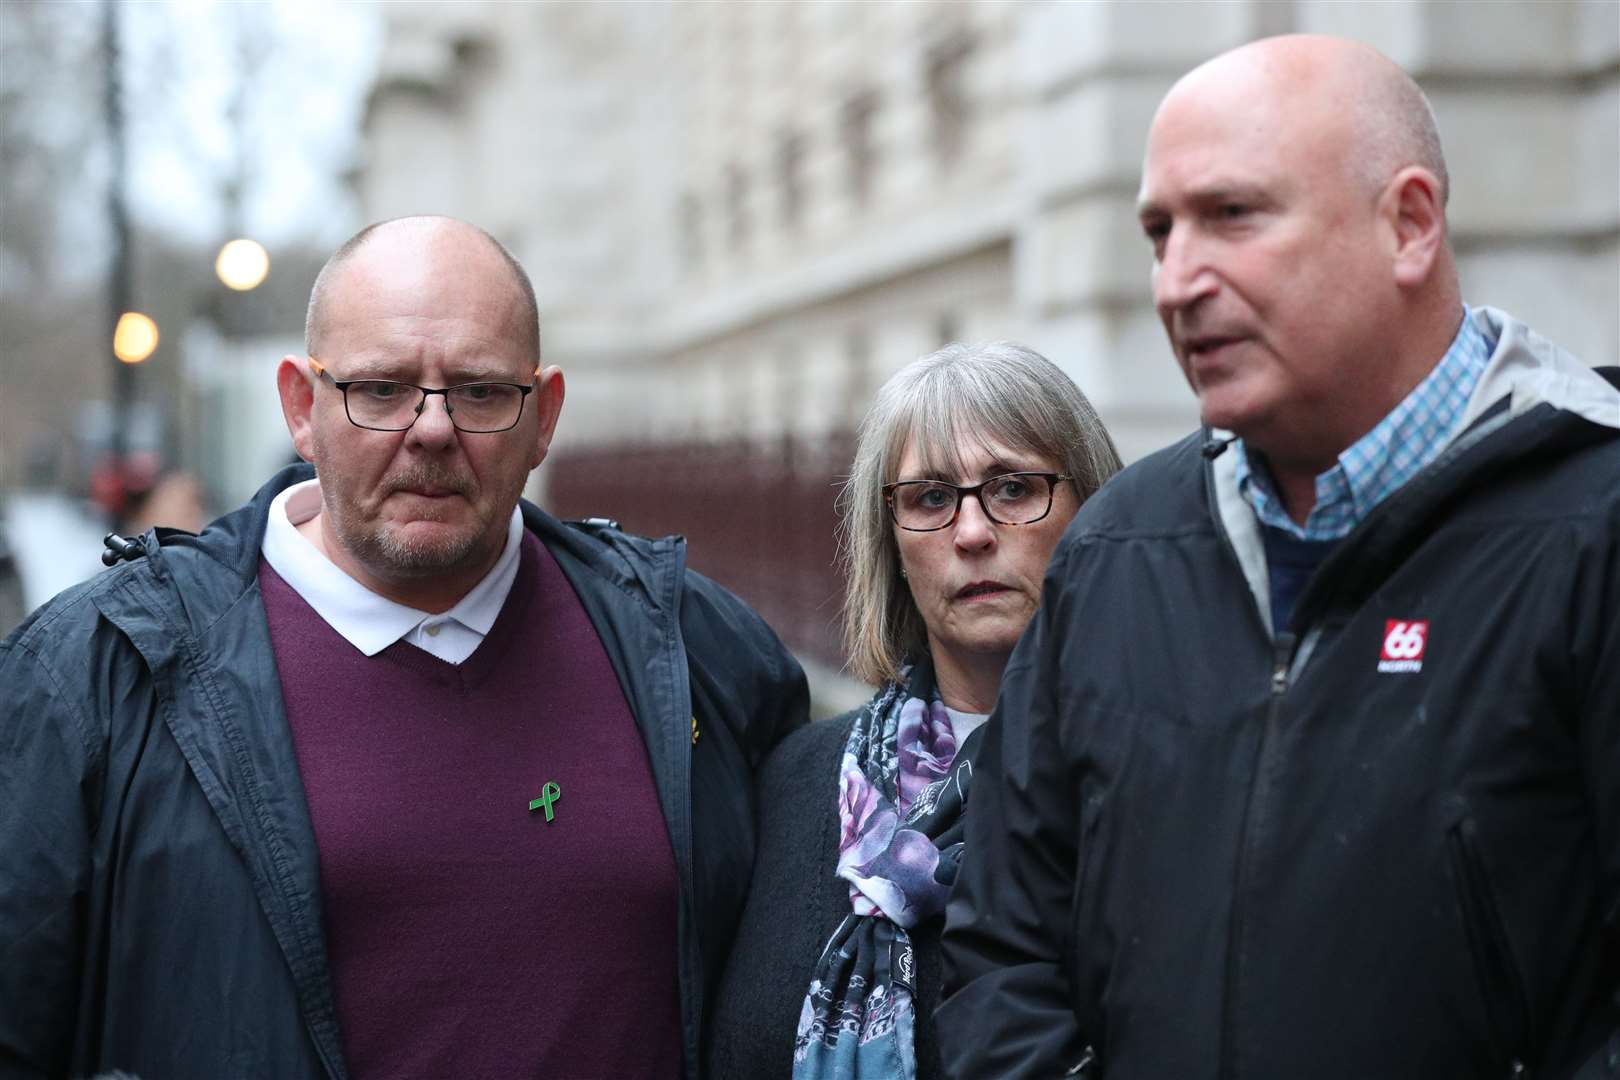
x=549, y=794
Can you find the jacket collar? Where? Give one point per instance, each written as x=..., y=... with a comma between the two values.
x=636, y=567
x=1527, y=374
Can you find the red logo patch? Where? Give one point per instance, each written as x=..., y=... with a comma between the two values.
x=1404, y=643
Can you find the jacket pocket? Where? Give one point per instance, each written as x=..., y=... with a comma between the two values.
x=1501, y=986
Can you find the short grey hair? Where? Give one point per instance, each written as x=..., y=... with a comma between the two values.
x=1397, y=128
x=1002, y=391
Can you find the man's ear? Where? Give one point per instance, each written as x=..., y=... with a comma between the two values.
x=548, y=401
x=293, y=382
x=1412, y=207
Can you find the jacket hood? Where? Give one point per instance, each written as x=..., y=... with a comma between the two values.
x=1529, y=370
x=644, y=569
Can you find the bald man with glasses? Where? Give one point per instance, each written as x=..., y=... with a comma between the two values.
x=387, y=773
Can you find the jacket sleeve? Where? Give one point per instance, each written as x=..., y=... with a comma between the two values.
x=1600, y=755
x=735, y=654
x=1007, y=1010
x=47, y=761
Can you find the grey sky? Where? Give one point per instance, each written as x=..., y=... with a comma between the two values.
x=307, y=67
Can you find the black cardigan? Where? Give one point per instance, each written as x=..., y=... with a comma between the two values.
x=794, y=905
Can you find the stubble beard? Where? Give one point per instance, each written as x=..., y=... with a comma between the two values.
x=385, y=546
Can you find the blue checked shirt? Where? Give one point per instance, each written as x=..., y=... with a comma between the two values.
x=1389, y=455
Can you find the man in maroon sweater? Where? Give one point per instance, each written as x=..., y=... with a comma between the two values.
x=387, y=773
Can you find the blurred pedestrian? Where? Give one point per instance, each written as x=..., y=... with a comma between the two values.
x=172, y=500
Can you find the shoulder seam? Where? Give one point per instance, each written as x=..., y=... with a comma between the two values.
x=90, y=745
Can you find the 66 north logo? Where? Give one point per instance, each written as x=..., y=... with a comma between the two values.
x=1404, y=642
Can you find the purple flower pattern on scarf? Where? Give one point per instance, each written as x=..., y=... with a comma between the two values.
x=926, y=745
x=858, y=800
x=901, y=789
x=890, y=868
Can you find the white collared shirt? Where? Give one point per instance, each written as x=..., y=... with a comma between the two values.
x=370, y=622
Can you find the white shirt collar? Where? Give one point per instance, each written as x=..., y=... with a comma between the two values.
x=370, y=622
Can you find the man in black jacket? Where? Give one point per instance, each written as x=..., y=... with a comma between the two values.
x=1306, y=766
x=387, y=772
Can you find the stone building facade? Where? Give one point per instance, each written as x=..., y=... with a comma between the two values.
x=742, y=217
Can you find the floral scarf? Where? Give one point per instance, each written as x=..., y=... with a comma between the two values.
x=901, y=788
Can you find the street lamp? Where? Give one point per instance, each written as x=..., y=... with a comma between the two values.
x=242, y=264
x=135, y=337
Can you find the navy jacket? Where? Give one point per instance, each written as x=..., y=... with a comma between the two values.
x=159, y=905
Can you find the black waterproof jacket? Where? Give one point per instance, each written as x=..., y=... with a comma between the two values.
x=1201, y=849
x=159, y=905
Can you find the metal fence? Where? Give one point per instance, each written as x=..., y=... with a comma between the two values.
x=760, y=518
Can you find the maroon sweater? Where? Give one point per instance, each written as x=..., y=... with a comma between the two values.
x=468, y=936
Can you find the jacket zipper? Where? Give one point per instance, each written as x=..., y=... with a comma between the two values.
x=1082, y=1067
x=690, y=961
x=1079, y=901
x=1282, y=652
x=1494, y=969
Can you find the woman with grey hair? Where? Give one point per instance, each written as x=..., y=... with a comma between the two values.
x=967, y=469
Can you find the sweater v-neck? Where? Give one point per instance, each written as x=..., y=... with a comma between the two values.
x=497, y=644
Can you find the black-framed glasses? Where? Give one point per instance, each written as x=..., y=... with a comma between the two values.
x=1020, y=498
x=479, y=408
